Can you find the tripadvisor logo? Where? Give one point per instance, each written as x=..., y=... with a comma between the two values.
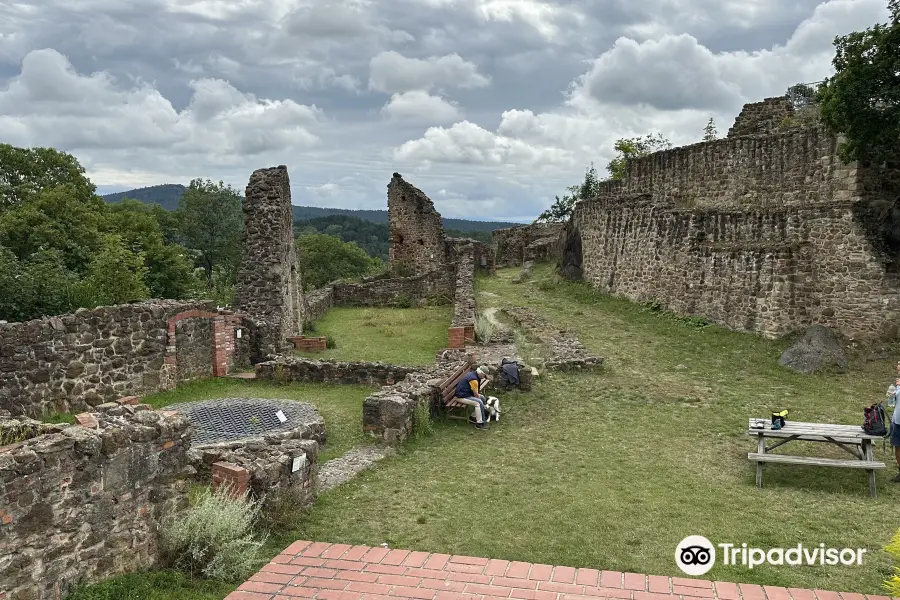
x=696, y=555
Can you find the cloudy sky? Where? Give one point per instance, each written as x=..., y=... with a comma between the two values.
x=490, y=106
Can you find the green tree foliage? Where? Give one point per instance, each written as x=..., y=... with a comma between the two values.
x=562, y=208
x=710, y=133
x=31, y=288
x=325, y=258
x=26, y=172
x=210, y=221
x=371, y=237
x=631, y=148
x=115, y=275
x=862, y=100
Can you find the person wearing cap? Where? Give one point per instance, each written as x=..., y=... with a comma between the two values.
x=468, y=391
x=895, y=422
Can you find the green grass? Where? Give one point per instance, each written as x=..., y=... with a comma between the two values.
x=611, y=469
x=339, y=405
x=154, y=585
x=401, y=336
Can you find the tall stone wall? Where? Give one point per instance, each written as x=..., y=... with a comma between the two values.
x=758, y=233
x=79, y=505
x=462, y=327
x=416, y=229
x=761, y=117
x=268, y=289
x=513, y=246
x=72, y=362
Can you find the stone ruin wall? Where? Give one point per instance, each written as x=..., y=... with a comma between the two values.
x=462, y=327
x=80, y=505
x=268, y=289
x=72, y=362
x=482, y=253
x=761, y=117
x=759, y=233
x=514, y=246
x=416, y=229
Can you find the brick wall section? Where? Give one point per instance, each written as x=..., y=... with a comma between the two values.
x=509, y=245
x=761, y=117
x=764, y=233
x=80, y=505
x=416, y=228
x=235, y=478
x=308, y=344
x=72, y=362
x=286, y=369
x=268, y=289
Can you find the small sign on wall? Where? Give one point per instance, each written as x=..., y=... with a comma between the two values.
x=298, y=463
x=238, y=333
x=281, y=416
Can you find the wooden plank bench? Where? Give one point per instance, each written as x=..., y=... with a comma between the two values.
x=448, y=393
x=849, y=438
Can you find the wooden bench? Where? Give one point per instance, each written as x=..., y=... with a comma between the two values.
x=449, y=401
x=849, y=438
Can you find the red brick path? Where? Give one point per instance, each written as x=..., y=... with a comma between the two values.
x=342, y=572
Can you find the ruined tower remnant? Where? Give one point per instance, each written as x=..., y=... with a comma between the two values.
x=268, y=289
x=416, y=229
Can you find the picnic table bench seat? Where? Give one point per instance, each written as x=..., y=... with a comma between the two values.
x=852, y=439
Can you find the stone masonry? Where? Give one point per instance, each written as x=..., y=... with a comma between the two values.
x=70, y=363
x=761, y=117
x=416, y=229
x=766, y=233
x=462, y=327
x=82, y=504
x=268, y=289
x=513, y=246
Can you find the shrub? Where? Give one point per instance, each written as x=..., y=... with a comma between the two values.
x=330, y=344
x=484, y=328
x=404, y=301
x=214, y=537
x=422, y=425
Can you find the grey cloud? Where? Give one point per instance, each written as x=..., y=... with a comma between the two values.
x=392, y=72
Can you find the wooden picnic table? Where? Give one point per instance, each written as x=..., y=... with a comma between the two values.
x=849, y=438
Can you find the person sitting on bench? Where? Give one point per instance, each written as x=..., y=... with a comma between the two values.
x=468, y=391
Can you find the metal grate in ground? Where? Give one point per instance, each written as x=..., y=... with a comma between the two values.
x=230, y=419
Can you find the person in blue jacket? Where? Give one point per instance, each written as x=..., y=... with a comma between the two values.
x=468, y=391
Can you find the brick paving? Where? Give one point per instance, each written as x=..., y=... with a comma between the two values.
x=342, y=572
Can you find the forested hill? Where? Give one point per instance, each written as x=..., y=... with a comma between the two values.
x=167, y=196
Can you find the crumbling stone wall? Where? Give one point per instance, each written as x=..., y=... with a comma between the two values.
x=72, y=362
x=318, y=303
x=268, y=289
x=758, y=233
x=762, y=117
x=514, y=246
x=79, y=505
x=462, y=327
x=483, y=253
x=436, y=286
x=416, y=229
x=287, y=369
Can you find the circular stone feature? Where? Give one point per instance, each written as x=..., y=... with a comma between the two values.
x=229, y=419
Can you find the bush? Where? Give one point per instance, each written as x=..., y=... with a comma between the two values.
x=484, y=328
x=422, y=425
x=404, y=301
x=330, y=344
x=214, y=537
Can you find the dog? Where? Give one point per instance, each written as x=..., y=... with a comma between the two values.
x=492, y=408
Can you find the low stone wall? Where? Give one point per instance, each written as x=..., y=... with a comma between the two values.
x=484, y=254
x=566, y=351
x=510, y=245
x=462, y=327
x=390, y=414
x=285, y=369
x=318, y=303
x=72, y=362
x=80, y=505
x=437, y=285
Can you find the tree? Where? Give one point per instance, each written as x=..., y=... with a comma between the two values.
x=562, y=208
x=862, y=100
x=26, y=172
x=210, y=221
x=709, y=132
x=35, y=287
x=115, y=276
x=631, y=148
x=325, y=258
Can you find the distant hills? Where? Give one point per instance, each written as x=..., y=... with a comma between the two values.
x=167, y=196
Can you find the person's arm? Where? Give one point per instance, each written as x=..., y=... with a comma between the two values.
x=474, y=385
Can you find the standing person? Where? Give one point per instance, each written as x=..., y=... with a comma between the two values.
x=468, y=391
x=895, y=424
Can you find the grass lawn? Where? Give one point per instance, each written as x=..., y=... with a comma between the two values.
x=401, y=336
x=339, y=405
x=612, y=469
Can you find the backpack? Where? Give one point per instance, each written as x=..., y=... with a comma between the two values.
x=875, y=422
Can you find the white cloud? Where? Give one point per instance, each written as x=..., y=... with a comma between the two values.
x=392, y=72
x=418, y=106
x=50, y=104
